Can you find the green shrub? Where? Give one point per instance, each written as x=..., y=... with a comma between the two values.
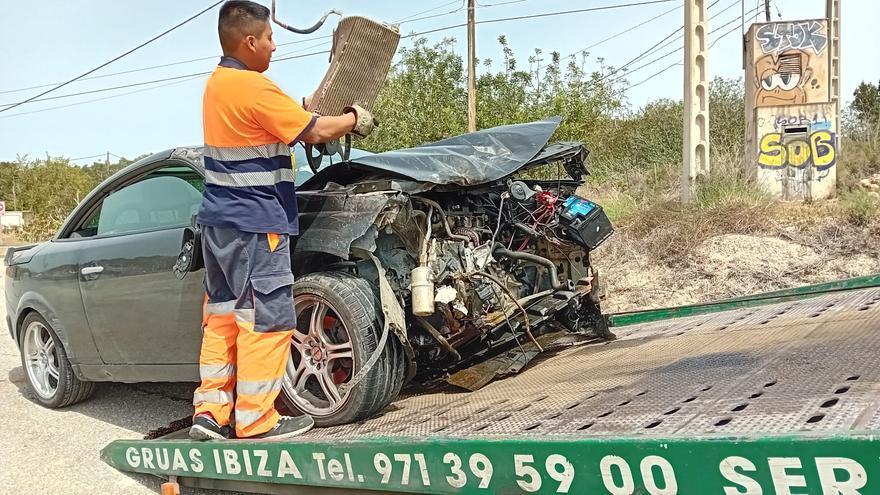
x=860, y=207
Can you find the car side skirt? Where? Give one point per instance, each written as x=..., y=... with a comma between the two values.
x=132, y=373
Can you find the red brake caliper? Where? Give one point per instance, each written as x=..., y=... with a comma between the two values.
x=341, y=367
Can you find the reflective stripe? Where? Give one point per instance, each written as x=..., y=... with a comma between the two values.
x=209, y=371
x=220, y=308
x=258, y=387
x=245, y=418
x=239, y=153
x=213, y=397
x=249, y=179
x=244, y=315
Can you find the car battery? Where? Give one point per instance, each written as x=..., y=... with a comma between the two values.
x=585, y=222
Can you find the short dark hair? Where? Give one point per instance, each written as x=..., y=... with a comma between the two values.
x=239, y=18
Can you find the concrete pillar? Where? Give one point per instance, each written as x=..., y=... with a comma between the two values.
x=696, y=96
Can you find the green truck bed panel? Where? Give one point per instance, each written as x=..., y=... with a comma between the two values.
x=756, y=400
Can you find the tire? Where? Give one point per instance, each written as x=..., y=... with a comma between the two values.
x=350, y=318
x=53, y=392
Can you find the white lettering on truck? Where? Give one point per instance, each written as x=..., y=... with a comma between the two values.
x=856, y=476
x=729, y=468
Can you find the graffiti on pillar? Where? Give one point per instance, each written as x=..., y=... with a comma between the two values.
x=819, y=150
x=789, y=67
x=781, y=78
x=816, y=119
x=782, y=36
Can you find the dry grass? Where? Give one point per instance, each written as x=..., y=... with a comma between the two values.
x=731, y=240
x=726, y=203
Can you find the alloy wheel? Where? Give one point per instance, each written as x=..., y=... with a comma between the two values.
x=321, y=358
x=41, y=360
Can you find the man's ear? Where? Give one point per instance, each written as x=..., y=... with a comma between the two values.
x=251, y=42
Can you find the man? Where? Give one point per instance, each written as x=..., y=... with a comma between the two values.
x=247, y=215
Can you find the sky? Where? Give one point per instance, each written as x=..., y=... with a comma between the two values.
x=52, y=41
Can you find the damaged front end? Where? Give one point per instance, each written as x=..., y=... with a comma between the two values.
x=480, y=263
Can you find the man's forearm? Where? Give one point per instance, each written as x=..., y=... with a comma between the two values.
x=330, y=128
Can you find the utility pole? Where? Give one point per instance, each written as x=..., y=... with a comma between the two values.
x=107, y=166
x=767, y=10
x=832, y=12
x=696, y=97
x=472, y=76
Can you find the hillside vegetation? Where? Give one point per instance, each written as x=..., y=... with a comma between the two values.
x=732, y=239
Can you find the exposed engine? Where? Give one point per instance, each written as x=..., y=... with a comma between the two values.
x=470, y=263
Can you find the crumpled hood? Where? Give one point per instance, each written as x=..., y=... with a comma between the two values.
x=468, y=159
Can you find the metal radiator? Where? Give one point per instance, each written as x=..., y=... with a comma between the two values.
x=359, y=63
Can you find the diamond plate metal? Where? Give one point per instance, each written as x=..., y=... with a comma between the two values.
x=811, y=365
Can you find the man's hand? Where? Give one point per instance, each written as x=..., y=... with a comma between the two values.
x=364, y=121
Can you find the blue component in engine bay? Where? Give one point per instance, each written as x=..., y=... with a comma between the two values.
x=576, y=206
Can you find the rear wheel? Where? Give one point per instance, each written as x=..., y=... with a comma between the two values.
x=338, y=329
x=47, y=368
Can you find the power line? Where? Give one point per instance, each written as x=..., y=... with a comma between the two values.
x=214, y=57
x=503, y=19
x=535, y=16
x=112, y=88
x=679, y=63
x=101, y=76
x=105, y=64
x=463, y=4
x=621, y=33
x=673, y=52
x=447, y=4
x=723, y=35
x=68, y=105
x=87, y=157
x=652, y=76
x=657, y=47
x=178, y=80
x=607, y=7
x=153, y=81
x=508, y=2
x=577, y=11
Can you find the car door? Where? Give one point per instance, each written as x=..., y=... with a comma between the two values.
x=137, y=309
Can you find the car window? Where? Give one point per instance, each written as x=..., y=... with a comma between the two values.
x=165, y=198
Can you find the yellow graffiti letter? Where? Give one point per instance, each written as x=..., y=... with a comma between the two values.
x=822, y=144
x=772, y=152
x=798, y=153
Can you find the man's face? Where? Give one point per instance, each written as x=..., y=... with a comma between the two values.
x=261, y=47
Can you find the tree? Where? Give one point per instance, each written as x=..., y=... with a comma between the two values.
x=866, y=104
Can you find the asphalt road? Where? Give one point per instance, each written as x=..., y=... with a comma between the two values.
x=49, y=452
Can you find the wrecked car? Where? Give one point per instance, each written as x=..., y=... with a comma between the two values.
x=413, y=266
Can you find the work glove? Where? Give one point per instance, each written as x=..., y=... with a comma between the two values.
x=364, y=121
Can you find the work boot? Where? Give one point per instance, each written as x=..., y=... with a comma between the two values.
x=287, y=427
x=206, y=428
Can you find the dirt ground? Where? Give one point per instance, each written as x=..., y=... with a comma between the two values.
x=730, y=265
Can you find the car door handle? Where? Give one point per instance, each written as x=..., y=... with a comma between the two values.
x=92, y=270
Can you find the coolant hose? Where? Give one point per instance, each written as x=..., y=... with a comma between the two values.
x=531, y=258
x=442, y=214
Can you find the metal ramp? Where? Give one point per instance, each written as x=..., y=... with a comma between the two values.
x=747, y=401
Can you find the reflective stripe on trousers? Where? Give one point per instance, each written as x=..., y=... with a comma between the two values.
x=213, y=397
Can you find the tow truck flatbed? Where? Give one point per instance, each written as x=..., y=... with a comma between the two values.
x=779, y=399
